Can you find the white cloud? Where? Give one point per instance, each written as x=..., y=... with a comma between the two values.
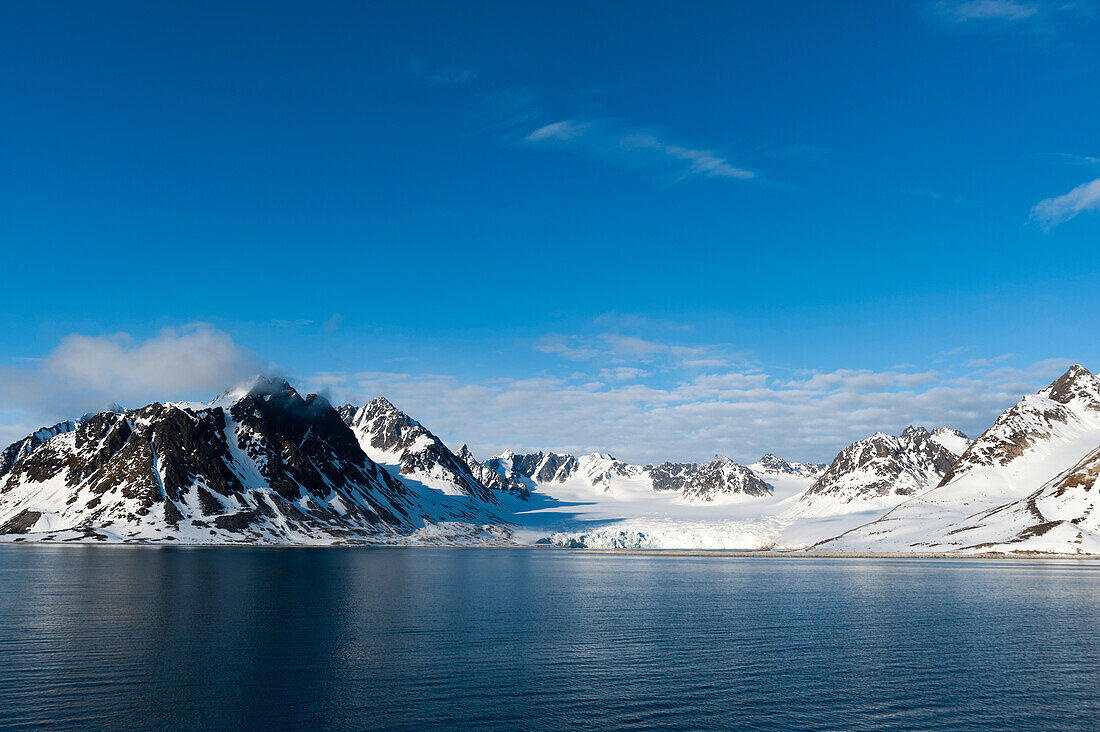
x=1057, y=210
x=88, y=372
x=740, y=413
x=986, y=10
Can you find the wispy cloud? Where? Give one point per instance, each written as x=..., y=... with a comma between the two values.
x=509, y=114
x=970, y=11
x=1043, y=20
x=566, y=129
x=611, y=139
x=517, y=116
x=1057, y=210
x=1074, y=159
x=700, y=162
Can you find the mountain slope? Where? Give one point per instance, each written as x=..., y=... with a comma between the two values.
x=1026, y=484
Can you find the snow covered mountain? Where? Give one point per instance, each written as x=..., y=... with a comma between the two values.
x=694, y=482
x=1028, y=483
x=882, y=471
x=392, y=438
x=489, y=476
x=707, y=481
x=774, y=465
x=259, y=464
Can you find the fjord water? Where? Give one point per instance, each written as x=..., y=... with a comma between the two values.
x=230, y=638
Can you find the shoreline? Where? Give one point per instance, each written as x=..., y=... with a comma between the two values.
x=714, y=553
x=796, y=554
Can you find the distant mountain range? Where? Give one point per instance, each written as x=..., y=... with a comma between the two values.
x=262, y=464
x=692, y=481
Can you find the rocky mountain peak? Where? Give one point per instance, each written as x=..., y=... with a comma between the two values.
x=721, y=477
x=771, y=463
x=881, y=466
x=391, y=437
x=1076, y=384
x=382, y=405
x=257, y=386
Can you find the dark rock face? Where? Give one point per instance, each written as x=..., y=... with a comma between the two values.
x=302, y=446
x=21, y=523
x=1084, y=476
x=549, y=467
x=384, y=427
x=671, y=476
x=1077, y=384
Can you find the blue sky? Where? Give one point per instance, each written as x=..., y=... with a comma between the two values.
x=662, y=230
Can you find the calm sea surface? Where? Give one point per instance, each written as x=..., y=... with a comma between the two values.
x=232, y=638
